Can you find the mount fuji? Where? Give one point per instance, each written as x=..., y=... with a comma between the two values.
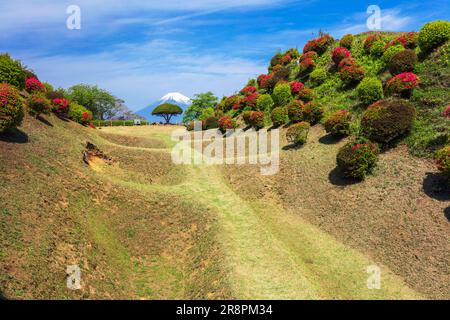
x=173, y=97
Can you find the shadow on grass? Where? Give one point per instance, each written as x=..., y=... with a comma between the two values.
x=447, y=213
x=338, y=179
x=330, y=139
x=293, y=146
x=14, y=135
x=435, y=186
x=44, y=121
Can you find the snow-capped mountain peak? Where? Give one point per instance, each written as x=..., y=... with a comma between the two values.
x=176, y=97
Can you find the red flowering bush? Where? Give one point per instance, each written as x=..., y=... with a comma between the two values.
x=357, y=158
x=263, y=80
x=309, y=55
x=407, y=40
x=91, y=125
x=443, y=160
x=338, y=123
x=446, y=113
x=295, y=110
x=38, y=104
x=306, y=66
x=318, y=45
x=248, y=90
x=33, y=84
x=351, y=74
x=312, y=112
x=347, y=62
x=257, y=119
x=369, y=41
x=402, y=84
x=305, y=94
x=346, y=41
x=249, y=101
x=296, y=86
x=298, y=133
x=286, y=59
x=61, y=107
x=339, y=54
x=226, y=123
x=230, y=102
x=11, y=107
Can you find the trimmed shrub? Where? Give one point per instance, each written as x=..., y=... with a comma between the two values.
x=318, y=76
x=318, y=45
x=446, y=113
x=296, y=86
x=12, y=72
x=351, y=74
x=257, y=119
x=390, y=52
x=282, y=94
x=248, y=90
x=51, y=95
x=34, y=85
x=377, y=49
x=295, y=110
x=305, y=94
x=263, y=80
x=346, y=41
x=407, y=40
x=309, y=55
x=433, y=34
x=387, y=120
x=348, y=62
x=38, y=104
x=369, y=41
x=276, y=59
x=402, y=84
x=211, y=123
x=298, y=133
x=226, y=123
x=369, y=90
x=339, y=54
x=338, y=123
x=312, y=112
x=306, y=66
x=61, y=107
x=11, y=107
x=357, y=158
x=443, y=160
x=79, y=114
x=264, y=103
x=279, y=116
x=249, y=102
x=230, y=102
x=403, y=61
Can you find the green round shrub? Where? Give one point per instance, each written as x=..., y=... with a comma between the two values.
x=357, y=158
x=369, y=90
x=211, y=123
x=338, y=123
x=312, y=112
x=346, y=41
x=246, y=116
x=390, y=52
x=295, y=110
x=206, y=113
x=443, y=160
x=403, y=61
x=387, y=120
x=377, y=49
x=265, y=103
x=282, y=94
x=433, y=34
x=298, y=133
x=38, y=104
x=79, y=114
x=369, y=41
x=279, y=116
x=11, y=107
x=257, y=119
x=318, y=76
x=12, y=72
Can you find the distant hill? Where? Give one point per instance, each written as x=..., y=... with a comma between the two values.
x=173, y=97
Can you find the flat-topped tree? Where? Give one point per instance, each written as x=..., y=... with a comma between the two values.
x=167, y=111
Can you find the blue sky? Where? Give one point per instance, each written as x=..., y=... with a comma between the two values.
x=140, y=50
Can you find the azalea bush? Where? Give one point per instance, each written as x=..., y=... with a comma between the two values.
x=369, y=90
x=318, y=45
x=246, y=117
x=306, y=66
x=264, y=80
x=305, y=94
x=230, y=102
x=295, y=110
x=446, y=113
x=377, y=49
x=248, y=90
x=38, y=104
x=433, y=34
x=265, y=103
x=369, y=41
x=403, y=61
x=347, y=62
x=318, y=76
x=296, y=86
x=226, y=123
x=357, y=158
x=61, y=107
x=34, y=85
x=279, y=116
x=387, y=120
x=257, y=119
x=346, y=41
x=402, y=84
x=211, y=123
x=339, y=54
x=79, y=114
x=407, y=40
x=309, y=55
x=443, y=160
x=12, y=71
x=312, y=112
x=351, y=74
x=11, y=107
x=298, y=133
x=282, y=94
x=338, y=123
x=390, y=52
